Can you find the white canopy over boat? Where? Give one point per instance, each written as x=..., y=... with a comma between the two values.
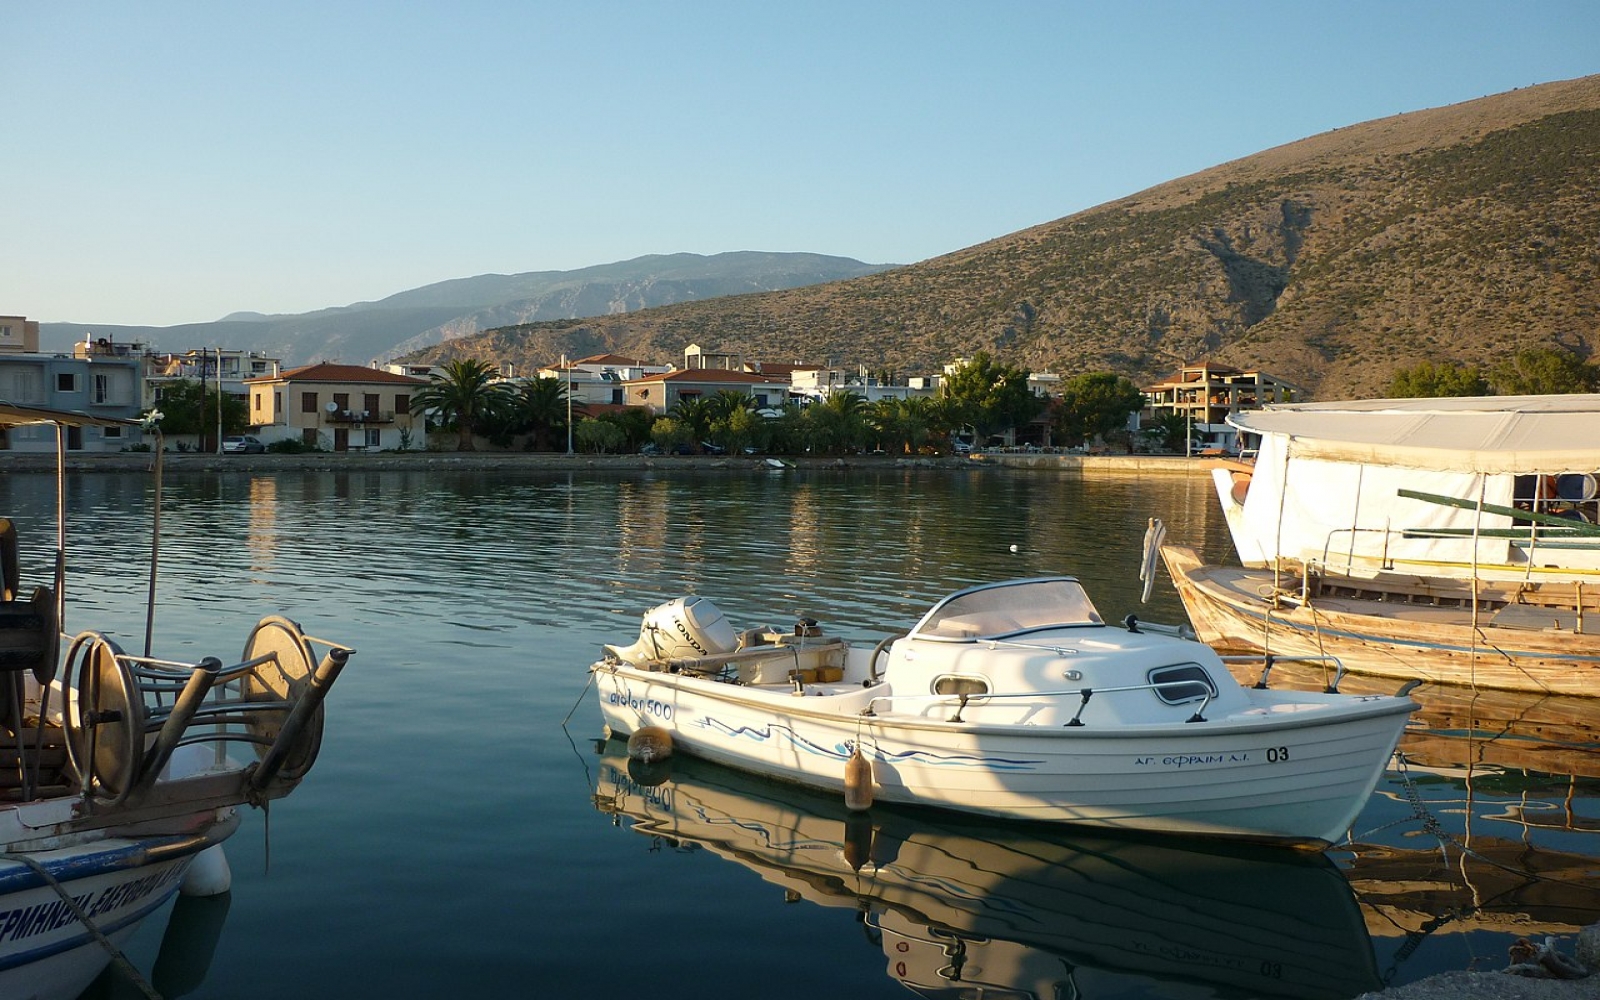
x=1327, y=483
x=1469, y=434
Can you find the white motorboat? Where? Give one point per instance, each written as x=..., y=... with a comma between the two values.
x=116, y=789
x=963, y=906
x=1012, y=699
x=1453, y=540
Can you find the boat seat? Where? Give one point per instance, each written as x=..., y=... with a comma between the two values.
x=29, y=633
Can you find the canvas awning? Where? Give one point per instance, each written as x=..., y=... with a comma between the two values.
x=1477, y=434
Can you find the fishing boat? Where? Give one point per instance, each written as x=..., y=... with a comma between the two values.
x=1454, y=540
x=1011, y=699
x=117, y=790
x=965, y=906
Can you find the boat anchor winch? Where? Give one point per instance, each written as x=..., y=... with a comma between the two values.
x=126, y=714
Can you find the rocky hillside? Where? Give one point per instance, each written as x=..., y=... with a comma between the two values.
x=1460, y=233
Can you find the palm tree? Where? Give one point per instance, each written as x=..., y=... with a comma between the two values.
x=467, y=395
x=542, y=407
x=696, y=414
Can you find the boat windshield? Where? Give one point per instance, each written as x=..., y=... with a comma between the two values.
x=1009, y=608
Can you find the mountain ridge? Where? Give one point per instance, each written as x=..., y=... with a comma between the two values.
x=1455, y=234
x=415, y=318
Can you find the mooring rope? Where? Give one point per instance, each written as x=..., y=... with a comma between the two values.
x=117, y=957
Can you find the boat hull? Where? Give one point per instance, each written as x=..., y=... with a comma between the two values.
x=46, y=951
x=1300, y=779
x=1232, y=609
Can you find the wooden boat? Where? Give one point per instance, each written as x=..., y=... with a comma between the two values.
x=1012, y=699
x=1454, y=540
x=117, y=791
x=1375, y=632
x=963, y=906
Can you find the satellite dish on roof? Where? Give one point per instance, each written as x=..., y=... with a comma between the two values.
x=332, y=407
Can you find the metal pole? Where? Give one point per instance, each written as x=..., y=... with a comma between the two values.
x=219, y=400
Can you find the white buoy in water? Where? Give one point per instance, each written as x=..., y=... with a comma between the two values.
x=857, y=782
x=1013, y=546
x=208, y=874
x=650, y=744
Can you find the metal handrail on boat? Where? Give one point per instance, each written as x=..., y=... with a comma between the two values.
x=1083, y=693
x=1269, y=660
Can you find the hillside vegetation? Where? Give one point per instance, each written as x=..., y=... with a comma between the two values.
x=1456, y=234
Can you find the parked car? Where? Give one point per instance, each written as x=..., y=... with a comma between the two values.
x=242, y=444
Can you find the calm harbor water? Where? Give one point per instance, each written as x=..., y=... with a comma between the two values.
x=466, y=833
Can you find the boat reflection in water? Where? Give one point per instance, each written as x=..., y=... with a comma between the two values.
x=964, y=907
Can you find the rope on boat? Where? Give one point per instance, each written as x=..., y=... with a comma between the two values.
x=575, y=704
x=117, y=957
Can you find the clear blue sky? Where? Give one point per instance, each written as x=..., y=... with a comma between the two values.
x=165, y=162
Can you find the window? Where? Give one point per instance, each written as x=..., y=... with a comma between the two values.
x=308, y=402
x=66, y=382
x=402, y=403
x=369, y=403
x=374, y=439
x=1183, y=683
x=102, y=388
x=341, y=401
x=959, y=684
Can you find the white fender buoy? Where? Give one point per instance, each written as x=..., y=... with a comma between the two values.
x=650, y=744
x=208, y=874
x=857, y=782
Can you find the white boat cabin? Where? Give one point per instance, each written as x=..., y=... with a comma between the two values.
x=1499, y=487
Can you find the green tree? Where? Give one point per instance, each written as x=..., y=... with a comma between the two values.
x=696, y=415
x=187, y=407
x=1538, y=371
x=1096, y=404
x=1428, y=379
x=634, y=421
x=990, y=396
x=541, y=409
x=903, y=426
x=838, y=423
x=667, y=433
x=466, y=396
x=1171, y=430
x=597, y=436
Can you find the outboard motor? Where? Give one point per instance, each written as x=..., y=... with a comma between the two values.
x=678, y=630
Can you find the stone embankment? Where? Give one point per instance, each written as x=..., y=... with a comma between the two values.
x=175, y=461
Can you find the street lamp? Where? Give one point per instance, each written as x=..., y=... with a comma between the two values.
x=568, y=367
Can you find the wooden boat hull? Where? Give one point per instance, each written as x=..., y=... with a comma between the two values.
x=1242, y=610
x=1291, y=776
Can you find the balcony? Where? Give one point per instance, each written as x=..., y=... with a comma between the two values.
x=350, y=417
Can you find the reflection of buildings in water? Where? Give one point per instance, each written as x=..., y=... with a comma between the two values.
x=262, y=538
x=642, y=522
x=807, y=543
x=991, y=909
